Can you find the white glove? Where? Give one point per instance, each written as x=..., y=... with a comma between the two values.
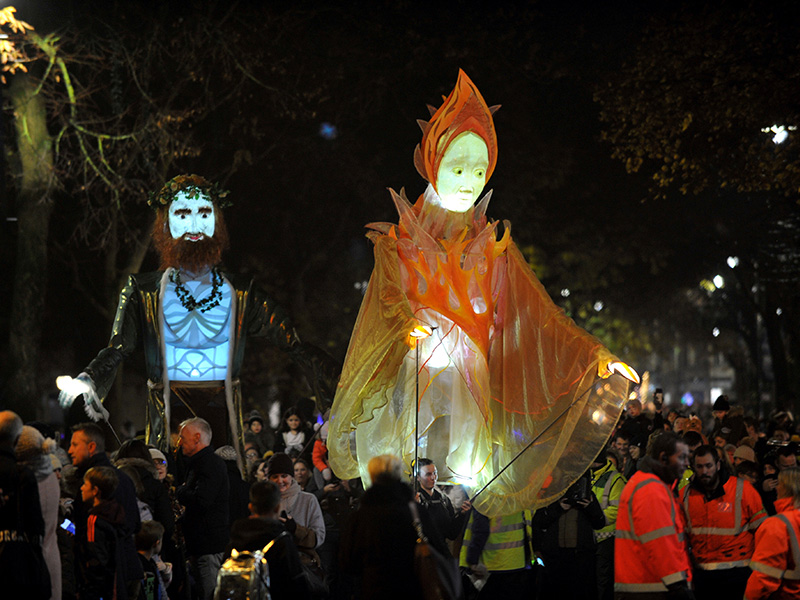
x=82, y=385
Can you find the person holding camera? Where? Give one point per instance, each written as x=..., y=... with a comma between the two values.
x=564, y=538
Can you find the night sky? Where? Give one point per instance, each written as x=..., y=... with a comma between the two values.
x=309, y=163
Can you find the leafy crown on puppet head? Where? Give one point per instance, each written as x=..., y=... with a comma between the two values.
x=463, y=110
x=193, y=186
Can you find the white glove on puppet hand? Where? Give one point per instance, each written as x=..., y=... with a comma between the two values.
x=621, y=368
x=82, y=385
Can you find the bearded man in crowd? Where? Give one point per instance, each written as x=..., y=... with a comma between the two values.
x=192, y=319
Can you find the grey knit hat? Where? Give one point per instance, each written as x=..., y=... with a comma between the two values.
x=226, y=453
x=32, y=444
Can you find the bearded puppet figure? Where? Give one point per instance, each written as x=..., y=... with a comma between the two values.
x=504, y=365
x=192, y=319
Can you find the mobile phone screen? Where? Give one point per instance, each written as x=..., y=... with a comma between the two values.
x=68, y=525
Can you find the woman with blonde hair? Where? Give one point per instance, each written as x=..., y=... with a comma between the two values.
x=377, y=548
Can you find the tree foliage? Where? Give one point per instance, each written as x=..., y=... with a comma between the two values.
x=12, y=57
x=689, y=106
x=688, y=110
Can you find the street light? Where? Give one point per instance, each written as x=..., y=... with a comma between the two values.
x=781, y=132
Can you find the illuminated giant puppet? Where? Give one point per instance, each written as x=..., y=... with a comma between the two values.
x=192, y=319
x=504, y=364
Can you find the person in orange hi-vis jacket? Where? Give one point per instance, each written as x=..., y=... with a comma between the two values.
x=776, y=559
x=650, y=551
x=723, y=513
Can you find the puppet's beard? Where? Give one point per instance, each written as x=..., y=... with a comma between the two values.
x=189, y=256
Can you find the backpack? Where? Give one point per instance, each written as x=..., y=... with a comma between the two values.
x=245, y=575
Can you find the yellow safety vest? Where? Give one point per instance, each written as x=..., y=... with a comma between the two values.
x=505, y=548
x=607, y=485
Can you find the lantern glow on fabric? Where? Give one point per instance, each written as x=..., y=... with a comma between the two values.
x=504, y=364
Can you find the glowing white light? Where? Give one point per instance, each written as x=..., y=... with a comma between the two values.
x=598, y=306
x=465, y=473
x=627, y=371
x=195, y=373
x=781, y=132
x=599, y=416
x=439, y=358
x=420, y=332
x=715, y=332
x=72, y=386
x=779, y=312
x=733, y=261
x=719, y=281
x=565, y=293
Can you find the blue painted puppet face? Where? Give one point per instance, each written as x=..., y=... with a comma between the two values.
x=191, y=219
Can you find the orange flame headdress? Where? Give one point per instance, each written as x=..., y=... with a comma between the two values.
x=463, y=110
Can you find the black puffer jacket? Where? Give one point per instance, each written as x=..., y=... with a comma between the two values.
x=206, y=498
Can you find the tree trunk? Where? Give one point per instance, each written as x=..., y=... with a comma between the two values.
x=34, y=207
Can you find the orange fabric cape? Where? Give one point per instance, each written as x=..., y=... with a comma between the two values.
x=503, y=366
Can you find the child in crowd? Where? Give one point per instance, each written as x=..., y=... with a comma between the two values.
x=97, y=554
x=294, y=433
x=157, y=574
x=258, y=434
x=320, y=454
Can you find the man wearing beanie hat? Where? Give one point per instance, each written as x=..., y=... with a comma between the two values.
x=34, y=451
x=299, y=510
x=726, y=424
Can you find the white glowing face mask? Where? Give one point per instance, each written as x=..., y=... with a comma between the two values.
x=462, y=172
x=191, y=219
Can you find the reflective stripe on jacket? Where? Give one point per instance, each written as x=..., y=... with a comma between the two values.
x=722, y=530
x=776, y=558
x=650, y=550
x=499, y=543
x=607, y=485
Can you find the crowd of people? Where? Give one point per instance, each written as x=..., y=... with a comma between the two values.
x=670, y=508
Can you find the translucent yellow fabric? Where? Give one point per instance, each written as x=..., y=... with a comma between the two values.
x=503, y=364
